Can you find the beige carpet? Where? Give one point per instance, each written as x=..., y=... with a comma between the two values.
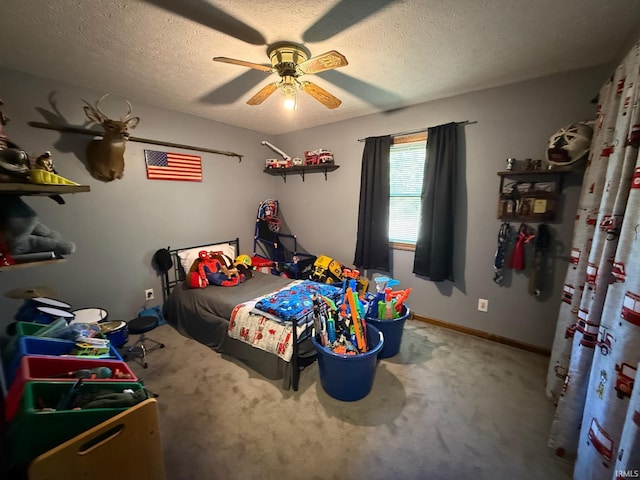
x=448, y=406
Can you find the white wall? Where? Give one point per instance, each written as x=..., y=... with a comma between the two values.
x=118, y=225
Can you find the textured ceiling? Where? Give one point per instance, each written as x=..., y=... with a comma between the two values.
x=400, y=52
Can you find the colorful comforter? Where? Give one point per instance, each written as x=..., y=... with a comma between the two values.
x=293, y=303
x=266, y=322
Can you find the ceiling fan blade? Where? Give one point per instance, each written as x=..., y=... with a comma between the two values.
x=262, y=95
x=343, y=15
x=326, y=61
x=242, y=63
x=234, y=89
x=320, y=94
x=371, y=94
x=202, y=12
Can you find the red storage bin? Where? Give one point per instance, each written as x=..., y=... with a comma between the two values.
x=46, y=368
x=53, y=347
x=261, y=264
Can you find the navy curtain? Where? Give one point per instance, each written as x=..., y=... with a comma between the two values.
x=434, y=248
x=372, y=247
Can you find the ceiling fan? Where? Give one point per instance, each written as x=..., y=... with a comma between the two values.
x=290, y=62
x=343, y=15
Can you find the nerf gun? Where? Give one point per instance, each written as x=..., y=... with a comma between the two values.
x=382, y=284
x=400, y=297
x=357, y=324
x=321, y=328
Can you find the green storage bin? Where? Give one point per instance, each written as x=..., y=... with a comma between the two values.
x=28, y=329
x=23, y=329
x=35, y=430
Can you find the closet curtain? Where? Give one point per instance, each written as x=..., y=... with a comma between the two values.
x=596, y=350
x=434, y=247
x=372, y=245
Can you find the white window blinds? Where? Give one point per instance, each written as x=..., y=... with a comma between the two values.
x=406, y=169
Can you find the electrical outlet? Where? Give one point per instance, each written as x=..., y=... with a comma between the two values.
x=148, y=294
x=483, y=305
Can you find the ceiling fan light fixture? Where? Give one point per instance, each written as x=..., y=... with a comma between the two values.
x=291, y=103
x=289, y=88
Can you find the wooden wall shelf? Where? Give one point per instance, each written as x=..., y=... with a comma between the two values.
x=325, y=168
x=38, y=189
x=32, y=264
x=35, y=189
x=534, y=203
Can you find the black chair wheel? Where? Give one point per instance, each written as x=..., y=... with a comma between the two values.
x=144, y=366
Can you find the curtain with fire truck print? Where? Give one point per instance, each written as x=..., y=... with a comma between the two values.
x=596, y=349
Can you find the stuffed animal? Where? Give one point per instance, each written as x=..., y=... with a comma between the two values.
x=213, y=268
x=24, y=233
x=245, y=270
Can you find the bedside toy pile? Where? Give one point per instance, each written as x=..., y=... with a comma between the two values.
x=342, y=328
x=215, y=268
x=328, y=270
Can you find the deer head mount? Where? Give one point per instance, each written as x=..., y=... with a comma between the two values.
x=106, y=155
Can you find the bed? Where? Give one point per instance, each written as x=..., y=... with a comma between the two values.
x=214, y=315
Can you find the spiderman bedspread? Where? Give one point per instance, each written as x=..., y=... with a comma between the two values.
x=294, y=302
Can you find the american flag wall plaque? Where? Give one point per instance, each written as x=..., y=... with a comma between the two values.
x=173, y=166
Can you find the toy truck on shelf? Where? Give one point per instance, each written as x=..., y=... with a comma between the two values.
x=276, y=163
x=318, y=157
x=286, y=161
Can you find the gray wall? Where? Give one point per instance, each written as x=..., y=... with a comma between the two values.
x=513, y=121
x=118, y=225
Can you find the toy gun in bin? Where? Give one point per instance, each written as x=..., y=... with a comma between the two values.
x=382, y=283
x=400, y=297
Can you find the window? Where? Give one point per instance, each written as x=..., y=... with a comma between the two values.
x=406, y=170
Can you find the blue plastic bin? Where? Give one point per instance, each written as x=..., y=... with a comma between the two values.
x=392, y=331
x=349, y=377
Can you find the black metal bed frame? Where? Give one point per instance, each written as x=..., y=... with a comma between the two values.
x=176, y=275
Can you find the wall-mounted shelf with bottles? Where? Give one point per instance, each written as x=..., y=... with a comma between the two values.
x=529, y=195
x=302, y=169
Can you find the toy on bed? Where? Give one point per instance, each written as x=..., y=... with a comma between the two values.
x=244, y=265
x=214, y=268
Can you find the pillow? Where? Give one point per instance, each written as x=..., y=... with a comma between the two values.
x=187, y=257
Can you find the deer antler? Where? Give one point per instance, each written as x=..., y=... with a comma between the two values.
x=128, y=114
x=97, y=108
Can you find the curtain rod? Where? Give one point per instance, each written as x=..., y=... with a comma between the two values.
x=399, y=134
